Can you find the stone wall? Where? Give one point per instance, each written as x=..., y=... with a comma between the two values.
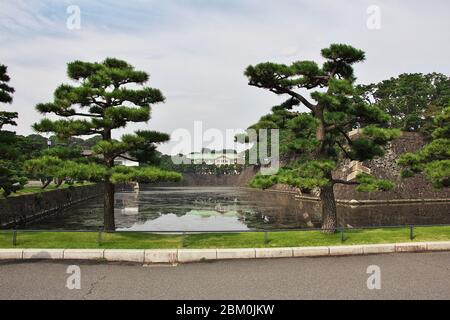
x=16, y=211
x=417, y=187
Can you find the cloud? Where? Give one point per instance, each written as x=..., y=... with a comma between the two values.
x=196, y=51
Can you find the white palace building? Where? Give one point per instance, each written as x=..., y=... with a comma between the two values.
x=217, y=158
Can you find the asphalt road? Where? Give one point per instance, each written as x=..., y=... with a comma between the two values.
x=403, y=276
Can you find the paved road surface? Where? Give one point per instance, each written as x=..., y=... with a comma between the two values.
x=404, y=276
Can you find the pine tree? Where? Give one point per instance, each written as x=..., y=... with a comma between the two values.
x=107, y=96
x=11, y=179
x=434, y=158
x=313, y=143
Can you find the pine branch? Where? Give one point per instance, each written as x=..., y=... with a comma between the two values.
x=339, y=125
x=345, y=151
x=125, y=157
x=75, y=114
x=350, y=141
x=298, y=96
x=348, y=183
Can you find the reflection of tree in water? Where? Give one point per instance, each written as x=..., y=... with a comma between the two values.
x=280, y=211
x=255, y=209
x=220, y=204
x=284, y=211
x=271, y=211
x=258, y=220
x=253, y=219
x=394, y=214
x=152, y=207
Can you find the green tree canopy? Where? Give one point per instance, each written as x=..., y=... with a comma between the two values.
x=412, y=100
x=6, y=92
x=11, y=179
x=31, y=146
x=107, y=96
x=314, y=142
x=148, y=152
x=434, y=158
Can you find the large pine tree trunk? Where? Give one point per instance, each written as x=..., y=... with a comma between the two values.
x=329, y=212
x=108, y=206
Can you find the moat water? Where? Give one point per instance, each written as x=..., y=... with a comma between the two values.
x=231, y=209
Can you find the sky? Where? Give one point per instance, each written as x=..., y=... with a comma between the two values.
x=197, y=50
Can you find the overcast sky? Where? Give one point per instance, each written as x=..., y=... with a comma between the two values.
x=197, y=50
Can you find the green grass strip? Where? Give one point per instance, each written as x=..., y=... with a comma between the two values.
x=78, y=240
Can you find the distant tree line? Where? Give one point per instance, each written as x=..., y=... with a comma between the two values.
x=182, y=164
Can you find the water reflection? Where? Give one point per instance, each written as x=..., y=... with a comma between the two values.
x=393, y=215
x=215, y=209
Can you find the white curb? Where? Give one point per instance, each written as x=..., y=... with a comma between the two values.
x=346, y=251
x=161, y=256
x=275, y=253
x=378, y=248
x=311, y=252
x=194, y=255
x=199, y=255
x=438, y=246
x=124, y=255
x=11, y=254
x=411, y=247
x=88, y=254
x=230, y=254
x=43, y=254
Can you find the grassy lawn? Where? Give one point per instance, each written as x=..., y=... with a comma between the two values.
x=37, y=189
x=48, y=240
